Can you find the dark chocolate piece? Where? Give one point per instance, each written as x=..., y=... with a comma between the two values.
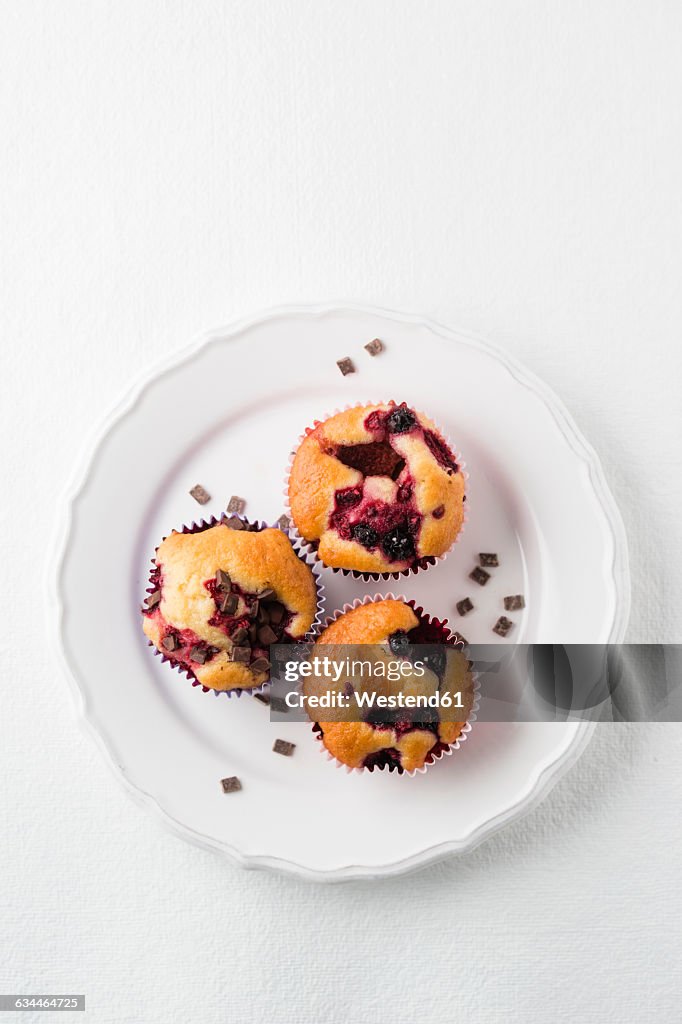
x=345, y=365
x=264, y=698
x=374, y=347
x=200, y=494
x=236, y=504
x=488, y=559
x=239, y=636
x=514, y=603
x=502, y=626
x=222, y=580
x=231, y=785
x=464, y=606
x=284, y=522
x=265, y=593
x=460, y=639
x=276, y=612
x=279, y=705
x=284, y=747
x=241, y=654
x=235, y=523
x=199, y=654
x=228, y=605
x=170, y=642
x=267, y=636
x=253, y=633
x=153, y=599
x=260, y=665
x=479, y=575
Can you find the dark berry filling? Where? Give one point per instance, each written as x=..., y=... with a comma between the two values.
x=389, y=758
x=399, y=642
x=401, y=420
x=348, y=497
x=398, y=544
x=440, y=450
x=365, y=535
x=376, y=420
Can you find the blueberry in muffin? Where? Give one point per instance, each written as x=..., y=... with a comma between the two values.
x=221, y=595
x=376, y=489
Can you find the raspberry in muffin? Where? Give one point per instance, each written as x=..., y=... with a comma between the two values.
x=376, y=489
x=221, y=594
x=400, y=740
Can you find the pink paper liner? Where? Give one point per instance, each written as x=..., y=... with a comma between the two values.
x=198, y=526
x=375, y=577
x=441, y=749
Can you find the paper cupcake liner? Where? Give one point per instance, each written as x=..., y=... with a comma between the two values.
x=440, y=627
x=310, y=547
x=256, y=525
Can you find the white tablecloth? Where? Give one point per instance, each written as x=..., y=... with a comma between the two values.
x=511, y=168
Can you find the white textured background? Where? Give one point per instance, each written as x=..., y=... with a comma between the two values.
x=512, y=167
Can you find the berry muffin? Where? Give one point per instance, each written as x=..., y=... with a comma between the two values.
x=376, y=489
x=220, y=595
x=400, y=740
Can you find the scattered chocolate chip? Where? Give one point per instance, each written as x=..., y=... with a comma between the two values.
x=153, y=599
x=502, y=626
x=267, y=636
x=276, y=612
x=514, y=603
x=265, y=593
x=228, y=605
x=241, y=654
x=279, y=706
x=488, y=559
x=260, y=665
x=479, y=575
x=253, y=633
x=231, y=785
x=374, y=347
x=460, y=639
x=170, y=642
x=235, y=523
x=284, y=522
x=239, y=636
x=464, y=606
x=236, y=504
x=345, y=365
x=284, y=747
x=199, y=654
x=263, y=698
x=439, y=512
x=200, y=494
x=262, y=616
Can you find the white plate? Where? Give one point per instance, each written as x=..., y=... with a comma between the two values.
x=225, y=413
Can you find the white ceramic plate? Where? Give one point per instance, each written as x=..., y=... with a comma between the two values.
x=225, y=413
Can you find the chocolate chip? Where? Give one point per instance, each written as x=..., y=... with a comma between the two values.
x=284, y=747
x=345, y=365
x=236, y=504
x=241, y=654
x=228, y=605
x=254, y=609
x=222, y=580
x=264, y=698
x=479, y=576
x=280, y=706
x=458, y=638
x=199, y=654
x=267, y=636
x=276, y=612
x=200, y=494
x=231, y=785
x=464, y=606
x=235, y=523
x=439, y=512
x=374, y=347
x=153, y=599
x=514, y=603
x=170, y=642
x=502, y=626
x=239, y=636
x=488, y=558
x=260, y=665
x=265, y=593
x=262, y=616
x=284, y=522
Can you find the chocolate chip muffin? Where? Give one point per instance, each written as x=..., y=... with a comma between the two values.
x=399, y=740
x=376, y=489
x=220, y=595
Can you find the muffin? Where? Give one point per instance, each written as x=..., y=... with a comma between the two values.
x=220, y=595
x=376, y=489
x=400, y=740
